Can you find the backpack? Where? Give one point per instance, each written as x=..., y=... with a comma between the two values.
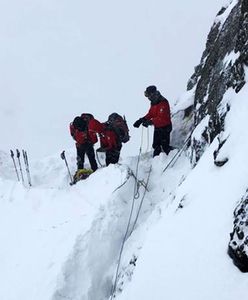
x=87, y=117
x=80, y=124
x=119, y=125
x=78, y=129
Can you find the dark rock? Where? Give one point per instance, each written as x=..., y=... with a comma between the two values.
x=220, y=163
x=239, y=258
x=214, y=75
x=238, y=245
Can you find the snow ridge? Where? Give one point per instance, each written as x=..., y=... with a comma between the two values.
x=85, y=274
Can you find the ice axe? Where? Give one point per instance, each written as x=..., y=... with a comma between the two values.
x=62, y=155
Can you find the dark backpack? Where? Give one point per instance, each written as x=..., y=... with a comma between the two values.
x=79, y=124
x=79, y=131
x=87, y=117
x=119, y=125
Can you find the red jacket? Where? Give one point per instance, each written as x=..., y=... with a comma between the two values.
x=108, y=139
x=94, y=127
x=159, y=114
x=82, y=137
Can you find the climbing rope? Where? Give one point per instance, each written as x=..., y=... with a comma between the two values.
x=126, y=233
x=178, y=153
x=135, y=195
x=142, y=135
x=129, y=232
x=148, y=139
x=171, y=163
x=99, y=162
x=142, y=200
x=120, y=186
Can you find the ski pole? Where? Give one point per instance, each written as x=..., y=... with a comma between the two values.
x=28, y=168
x=13, y=158
x=20, y=166
x=62, y=155
x=25, y=158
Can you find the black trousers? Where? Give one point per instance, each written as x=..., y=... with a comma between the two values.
x=161, y=140
x=87, y=149
x=112, y=156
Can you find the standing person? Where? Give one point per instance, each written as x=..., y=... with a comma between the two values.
x=159, y=116
x=84, y=131
x=115, y=132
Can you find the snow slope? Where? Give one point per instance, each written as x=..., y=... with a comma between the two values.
x=41, y=225
x=185, y=254
x=62, y=241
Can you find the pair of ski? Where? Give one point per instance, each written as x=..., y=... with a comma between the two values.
x=26, y=163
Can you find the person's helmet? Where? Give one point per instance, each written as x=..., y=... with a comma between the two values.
x=79, y=123
x=152, y=89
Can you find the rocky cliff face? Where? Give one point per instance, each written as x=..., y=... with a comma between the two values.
x=238, y=246
x=222, y=67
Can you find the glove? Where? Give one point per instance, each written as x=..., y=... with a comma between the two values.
x=147, y=123
x=138, y=123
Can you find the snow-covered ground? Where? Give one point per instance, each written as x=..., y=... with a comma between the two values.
x=63, y=242
x=185, y=254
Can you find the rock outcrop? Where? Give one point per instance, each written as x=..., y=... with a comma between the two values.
x=222, y=67
x=238, y=245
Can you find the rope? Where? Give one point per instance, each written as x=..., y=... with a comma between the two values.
x=142, y=200
x=130, y=173
x=136, y=196
x=178, y=154
x=141, y=140
x=129, y=221
x=98, y=160
x=148, y=139
x=127, y=233
x=120, y=186
x=125, y=237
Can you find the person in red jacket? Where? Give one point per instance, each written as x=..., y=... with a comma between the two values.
x=84, y=132
x=110, y=144
x=159, y=116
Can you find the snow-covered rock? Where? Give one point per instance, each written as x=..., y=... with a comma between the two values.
x=222, y=67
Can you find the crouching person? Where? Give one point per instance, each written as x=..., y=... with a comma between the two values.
x=115, y=132
x=111, y=145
